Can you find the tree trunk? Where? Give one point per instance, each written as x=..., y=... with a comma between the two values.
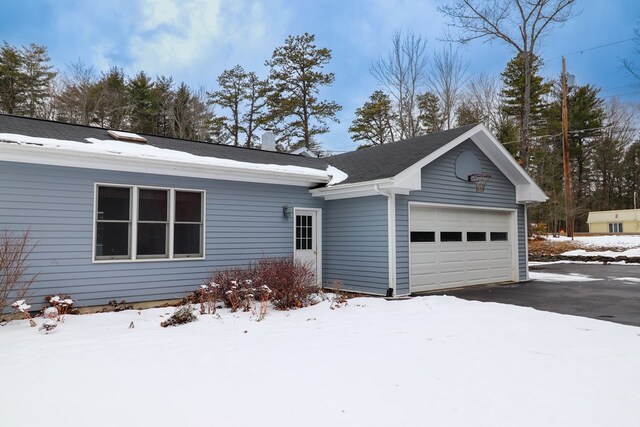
x=524, y=125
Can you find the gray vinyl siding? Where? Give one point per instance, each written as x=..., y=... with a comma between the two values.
x=244, y=222
x=355, y=248
x=440, y=185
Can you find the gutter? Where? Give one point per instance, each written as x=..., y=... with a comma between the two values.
x=27, y=153
x=391, y=237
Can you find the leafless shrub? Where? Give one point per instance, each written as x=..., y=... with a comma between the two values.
x=14, y=280
x=181, y=316
x=339, y=298
x=62, y=304
x=22, y=307
x=292, y=282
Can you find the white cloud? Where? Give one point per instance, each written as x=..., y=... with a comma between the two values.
x=173, y=35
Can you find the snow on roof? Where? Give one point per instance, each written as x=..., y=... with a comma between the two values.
x=148, y=152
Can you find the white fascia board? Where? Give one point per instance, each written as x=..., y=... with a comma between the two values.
x=527, y=191
x=412, y=176
x=103, y=161
x=348, y=191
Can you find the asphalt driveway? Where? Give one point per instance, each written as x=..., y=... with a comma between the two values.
x=604, y=292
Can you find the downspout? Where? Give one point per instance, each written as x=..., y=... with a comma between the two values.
x=391, y=237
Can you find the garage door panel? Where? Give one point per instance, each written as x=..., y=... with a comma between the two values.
x=452, y=277
x=438, y=264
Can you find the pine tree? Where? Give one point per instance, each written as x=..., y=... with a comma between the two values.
x=585, y=118
x=11, y=79
x=112, y=105
x=373, y=122
x=163, y=95
x=513, y=94
x=231, y=94
x=37, y=79
x=143, y=108
x=255, y=114
x=467, y=113
x=296, y=113
x=430, y=116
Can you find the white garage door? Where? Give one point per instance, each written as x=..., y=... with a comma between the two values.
x=453, y=247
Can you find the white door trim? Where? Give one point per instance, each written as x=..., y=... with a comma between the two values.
x=513, y=220
x=318, y=231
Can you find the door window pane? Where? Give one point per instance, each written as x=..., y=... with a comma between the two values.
x=451, y=236
x=476, y=236
x=304, y=232
x=499, y=236
x=423, y=236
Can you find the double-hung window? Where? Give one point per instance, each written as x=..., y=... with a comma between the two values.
x=142, y=223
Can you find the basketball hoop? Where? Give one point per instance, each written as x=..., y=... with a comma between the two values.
x=480, y=180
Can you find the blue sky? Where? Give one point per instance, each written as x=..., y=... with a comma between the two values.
x=195, y=40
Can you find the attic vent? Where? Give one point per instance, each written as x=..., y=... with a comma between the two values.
x=126, y=136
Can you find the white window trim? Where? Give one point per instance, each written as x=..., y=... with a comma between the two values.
x=133, y=230
x=615, y=227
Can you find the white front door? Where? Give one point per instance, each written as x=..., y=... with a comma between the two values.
x=305, y=239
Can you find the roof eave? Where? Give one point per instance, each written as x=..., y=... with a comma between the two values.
x=110, y=161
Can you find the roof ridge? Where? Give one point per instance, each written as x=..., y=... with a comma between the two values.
x=378, y=147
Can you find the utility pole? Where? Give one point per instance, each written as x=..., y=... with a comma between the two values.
x=565, y=151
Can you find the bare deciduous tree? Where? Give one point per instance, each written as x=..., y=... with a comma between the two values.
x=483, y=93
x=520, y=24
x=15, y=280
x=446, y=79
x=403, y=74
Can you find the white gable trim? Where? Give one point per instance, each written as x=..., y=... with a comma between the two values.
x=410, y=179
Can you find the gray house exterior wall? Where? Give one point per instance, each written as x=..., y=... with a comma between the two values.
x=243, y=221
x=355, y=248
x=440, y=185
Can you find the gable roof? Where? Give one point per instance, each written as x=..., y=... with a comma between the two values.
x=396, y=168
x=388, y=160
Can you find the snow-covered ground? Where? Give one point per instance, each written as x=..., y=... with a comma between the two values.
x=555, y=277
x=623, y=241
x=610, y=254
x=426, y=361
x=630, y=245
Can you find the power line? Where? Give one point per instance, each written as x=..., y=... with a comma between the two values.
x=620, y=94
x=592, y=48
x=618, y=87
x=560, y=134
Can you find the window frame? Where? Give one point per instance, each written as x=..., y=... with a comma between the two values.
x=615, y=225
x=133, y=229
